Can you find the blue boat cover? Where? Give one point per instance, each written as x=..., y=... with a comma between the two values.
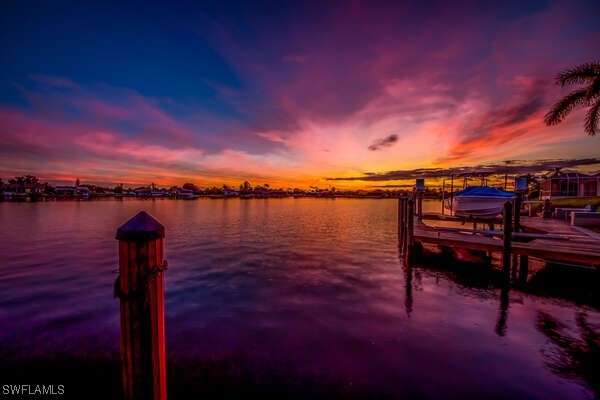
x=484, y=191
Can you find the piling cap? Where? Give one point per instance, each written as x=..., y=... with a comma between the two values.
x=141, y=228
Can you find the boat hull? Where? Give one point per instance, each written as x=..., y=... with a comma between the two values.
x=478, y=206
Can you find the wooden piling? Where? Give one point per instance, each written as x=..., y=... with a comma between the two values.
x=452, y=195
x=401, y=209
x=405, y=223
x=140, y=288
x=507, y=235
x=443, y=194
x=409, y=247
x=517, y=213
x=514, y=265
x=523, y=269
x=410, y=222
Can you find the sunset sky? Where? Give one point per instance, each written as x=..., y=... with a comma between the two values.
x=284, y=92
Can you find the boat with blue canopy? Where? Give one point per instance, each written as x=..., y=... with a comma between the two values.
x=479, y=202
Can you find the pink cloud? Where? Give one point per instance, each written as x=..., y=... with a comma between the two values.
x=61, y=151
x=453, y=87
x=102, y=107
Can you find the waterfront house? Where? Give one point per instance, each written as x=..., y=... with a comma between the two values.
x=183, y=193
x=82, y=191
x=227, y=192
x=142, y=192
x=569, y=184
x=65, y=191
x=29, y=188
x=72, y=191
x=23, y=189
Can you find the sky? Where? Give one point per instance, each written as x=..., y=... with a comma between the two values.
x=285, y=93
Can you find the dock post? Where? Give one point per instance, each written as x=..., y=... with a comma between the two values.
x=523, y=269
x=507, y=237
x=140, y=288
x=518, y=201
x=410, y=223
x=408, y=237
x=401, y=208
x=452, y=195
x=420, y=205
x=443, y=194
x=407, y=216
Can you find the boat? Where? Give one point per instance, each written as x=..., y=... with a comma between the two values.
x=479, y=202
x=185, y=194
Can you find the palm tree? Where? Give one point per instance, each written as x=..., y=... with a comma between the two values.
x=587, y=96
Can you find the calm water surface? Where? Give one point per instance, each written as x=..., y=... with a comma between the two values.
x=313, y=290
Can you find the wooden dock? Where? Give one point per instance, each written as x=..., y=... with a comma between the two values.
x=543, y=238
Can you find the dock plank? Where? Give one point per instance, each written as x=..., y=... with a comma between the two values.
x=580, y=247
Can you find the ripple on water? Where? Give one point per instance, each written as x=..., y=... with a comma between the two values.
x=311, y=287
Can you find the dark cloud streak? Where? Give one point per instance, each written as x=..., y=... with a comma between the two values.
x=383, y=142
x=509, y=167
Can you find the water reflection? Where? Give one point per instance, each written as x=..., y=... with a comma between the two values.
x=408, y=280
x=293, y=294
x=569, y=355
x=500, y=328
x=567, y=282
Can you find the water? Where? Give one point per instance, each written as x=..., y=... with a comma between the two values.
x=303, y=297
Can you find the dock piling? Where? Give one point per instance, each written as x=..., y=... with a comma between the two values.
x=507, y=235
x=410, y=224
x=400, y=217
x=517, y=213
x=140, y=288
x=523, y=268
x=408, y=229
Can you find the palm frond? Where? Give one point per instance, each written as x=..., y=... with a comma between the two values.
x=593, y=90
x=591, y=119
x=579, y=74
x=562, y=108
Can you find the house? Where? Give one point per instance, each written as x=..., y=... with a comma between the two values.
x=82, y=191
x=25, y=188
x=569, y=184
x=227, y=192
x=184, y=193
x=72, y=191
x=142, y=192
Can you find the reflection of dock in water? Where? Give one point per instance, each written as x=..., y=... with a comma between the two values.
x=564, y=265
x=564, y=261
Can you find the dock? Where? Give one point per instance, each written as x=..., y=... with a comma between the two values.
x=543, y=238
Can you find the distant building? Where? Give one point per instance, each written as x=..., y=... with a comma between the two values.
x=72, y=191
x=184, y=193
x=67, y=191
x=570, y=184
x=227, y=192
x=82, y=191
x=24, y=188
x=143, y=192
